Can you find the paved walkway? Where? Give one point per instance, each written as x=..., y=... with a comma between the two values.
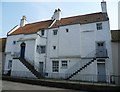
x=7, y=85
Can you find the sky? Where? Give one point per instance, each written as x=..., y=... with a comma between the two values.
x=11, y=11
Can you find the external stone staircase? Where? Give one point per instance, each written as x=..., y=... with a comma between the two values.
x=87, y=60
x=30, y=67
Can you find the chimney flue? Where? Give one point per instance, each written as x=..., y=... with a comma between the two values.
x=104, y=6
x=56, y=15
x=23, y=21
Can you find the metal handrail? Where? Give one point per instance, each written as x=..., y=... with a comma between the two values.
x=31, y=62
x=83, y=61
x=17, y=55
x=94, y=53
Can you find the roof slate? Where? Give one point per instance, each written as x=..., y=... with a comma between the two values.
x=80, y=19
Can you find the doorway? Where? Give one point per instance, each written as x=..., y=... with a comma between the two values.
x=101, y=72
x=41, y=68
x=100, y=49
x=22, y=52
x=9, y=67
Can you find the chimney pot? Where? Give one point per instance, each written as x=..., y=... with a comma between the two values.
x=56, y=15
x=23, y=21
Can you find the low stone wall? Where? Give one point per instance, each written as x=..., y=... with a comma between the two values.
x=64, y=84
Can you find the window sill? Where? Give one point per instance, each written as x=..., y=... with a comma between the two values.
x=88, y=31
x=63, y=67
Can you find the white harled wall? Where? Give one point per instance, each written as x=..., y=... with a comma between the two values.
x=78, y=42
x=11, y=48
x=41, y=41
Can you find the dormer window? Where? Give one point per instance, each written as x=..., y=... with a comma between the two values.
x=42, y=32
x=55, y=32
x=99, y=26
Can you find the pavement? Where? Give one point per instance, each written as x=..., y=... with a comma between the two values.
x=7, y=85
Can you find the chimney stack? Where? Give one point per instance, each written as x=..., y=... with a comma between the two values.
x=23, y=21
x=56, y=15
x=104, y=6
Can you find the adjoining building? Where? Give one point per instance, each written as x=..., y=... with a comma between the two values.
x=115, y=55
x=71, y=48
x=2, y=53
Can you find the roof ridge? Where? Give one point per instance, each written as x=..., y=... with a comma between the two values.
x=39, y=22
x=82, y=15
x=66, y=17
x=81, y=19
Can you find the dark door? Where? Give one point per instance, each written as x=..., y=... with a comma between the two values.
x=41, y=67
x=22, y=53
x=9, y=67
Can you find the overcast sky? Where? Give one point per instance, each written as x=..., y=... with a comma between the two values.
x=11, y=12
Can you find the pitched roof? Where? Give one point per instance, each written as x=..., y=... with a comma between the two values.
x=2, y=44
x=115, y=35
x=81, y=19
x=32, y=28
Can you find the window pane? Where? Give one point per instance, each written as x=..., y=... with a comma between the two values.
x=67, y=30
x=40, y=49
x=54, y=47
x=55, y=66
x=64, y=64
x=42, y=32
x=55, y=32
x=99, y=26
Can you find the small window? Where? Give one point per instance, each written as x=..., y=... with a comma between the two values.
x=54, y=47
x=14, y=42
x=67, y=30
x=99, y=26
x=100, y=44
x=64, y=64
x=42, y=32
x=40, y=49
x=55, y=32
x=55, y=66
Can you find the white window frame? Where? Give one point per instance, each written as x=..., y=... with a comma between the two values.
x=99, y=26
x=39, y=49
x=64, y=64
x=55, y=32
x=42, y=51
x=55, y=66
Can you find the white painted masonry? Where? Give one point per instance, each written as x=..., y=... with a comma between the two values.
x=72, y=43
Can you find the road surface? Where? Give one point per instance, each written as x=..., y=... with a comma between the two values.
x=7, y=85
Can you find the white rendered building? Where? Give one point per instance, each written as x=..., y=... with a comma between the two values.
x=72, y=48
